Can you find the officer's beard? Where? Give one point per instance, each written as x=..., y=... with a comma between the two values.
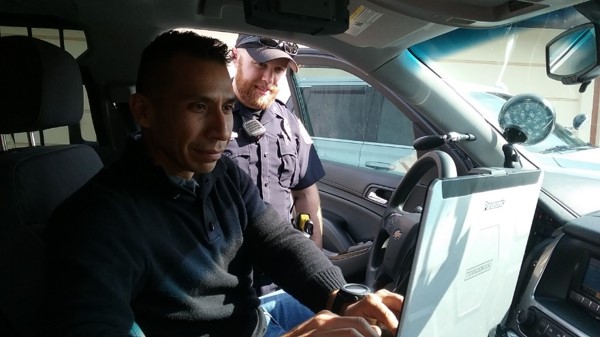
x=250, y=95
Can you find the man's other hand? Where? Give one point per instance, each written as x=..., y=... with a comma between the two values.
x=327, y=324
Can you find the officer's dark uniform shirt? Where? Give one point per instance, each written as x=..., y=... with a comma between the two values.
x=283, y=159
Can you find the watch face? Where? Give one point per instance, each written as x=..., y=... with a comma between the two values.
x=356, y=289
x=348, y=294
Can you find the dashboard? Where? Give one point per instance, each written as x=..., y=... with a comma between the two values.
x=562, y=296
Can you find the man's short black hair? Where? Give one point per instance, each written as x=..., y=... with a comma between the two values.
x=168, y=44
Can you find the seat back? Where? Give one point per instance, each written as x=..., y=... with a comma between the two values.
x=40, y=88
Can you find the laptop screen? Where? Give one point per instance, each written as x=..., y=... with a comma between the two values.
x=471, y=243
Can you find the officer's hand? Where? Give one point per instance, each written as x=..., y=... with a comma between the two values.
x=381, y=308
x=328, y=324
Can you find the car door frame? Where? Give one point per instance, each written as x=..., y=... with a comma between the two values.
x=353, y=199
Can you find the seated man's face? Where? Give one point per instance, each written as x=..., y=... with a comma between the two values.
x=190, y=121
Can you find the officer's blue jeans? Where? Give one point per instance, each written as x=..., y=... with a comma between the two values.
x=282, y=312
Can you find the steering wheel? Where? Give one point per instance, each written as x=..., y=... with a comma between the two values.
x=392, y=252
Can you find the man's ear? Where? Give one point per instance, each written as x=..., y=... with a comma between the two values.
x=236, y=57
x=141, y=108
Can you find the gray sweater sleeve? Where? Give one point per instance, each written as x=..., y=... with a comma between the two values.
x=292, y=260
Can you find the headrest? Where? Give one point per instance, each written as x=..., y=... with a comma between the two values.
x=40, y=86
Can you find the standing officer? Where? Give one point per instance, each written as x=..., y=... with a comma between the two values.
x=269, y=141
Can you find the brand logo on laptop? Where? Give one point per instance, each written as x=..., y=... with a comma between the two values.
x=493, y=204
x=478, y=269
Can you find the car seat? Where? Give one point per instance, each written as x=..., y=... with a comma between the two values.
x=40, y=88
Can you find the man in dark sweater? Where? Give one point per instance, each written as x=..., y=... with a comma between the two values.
x=167, y=235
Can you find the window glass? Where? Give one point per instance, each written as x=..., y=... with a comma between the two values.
x=489, y=68
x=353, y=123
x=74, y=43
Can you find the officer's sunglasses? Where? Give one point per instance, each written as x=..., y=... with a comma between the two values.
x=288, y=47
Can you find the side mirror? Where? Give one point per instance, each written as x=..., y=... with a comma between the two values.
x=573, y=57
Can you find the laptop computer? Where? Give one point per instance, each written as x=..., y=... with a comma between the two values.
x=469, y=250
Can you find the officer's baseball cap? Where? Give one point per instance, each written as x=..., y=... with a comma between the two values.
x=264, y=49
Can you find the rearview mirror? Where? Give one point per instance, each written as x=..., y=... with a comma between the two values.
x=573, y=56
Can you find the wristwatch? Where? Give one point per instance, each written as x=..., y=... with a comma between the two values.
x=349, y=293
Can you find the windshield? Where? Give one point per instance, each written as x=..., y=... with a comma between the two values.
x=561, y=139
x=489, y=66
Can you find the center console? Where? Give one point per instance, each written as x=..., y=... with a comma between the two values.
x=562, y=296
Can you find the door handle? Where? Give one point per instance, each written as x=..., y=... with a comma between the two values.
x=377, y=165
x=375, y=198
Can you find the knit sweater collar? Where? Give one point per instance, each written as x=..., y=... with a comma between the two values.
x=144, y=170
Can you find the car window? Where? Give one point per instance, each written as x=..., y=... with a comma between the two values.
x=562, y=138
x=74, y=42
x=353, y=123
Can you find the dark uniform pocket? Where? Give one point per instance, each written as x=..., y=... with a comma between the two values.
x=289, y=159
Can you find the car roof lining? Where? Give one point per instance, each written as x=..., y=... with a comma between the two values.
x=129, y=24
x=473, y=13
